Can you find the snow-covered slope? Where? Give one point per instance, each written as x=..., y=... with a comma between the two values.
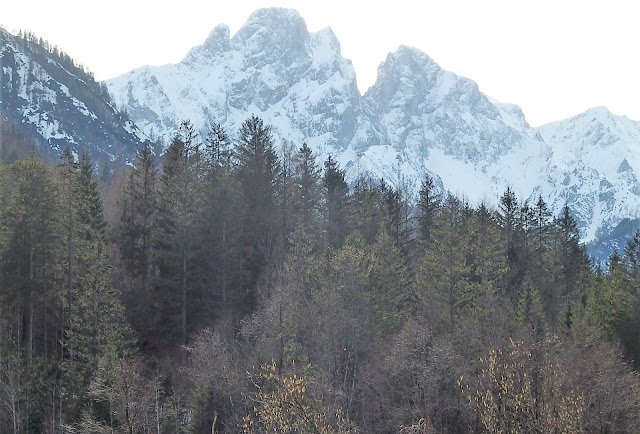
x=436, y=122
x=56, y=104
x=416, y=119
x=595, y=167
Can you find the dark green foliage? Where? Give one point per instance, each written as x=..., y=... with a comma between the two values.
x=306, y=179
x=335, y=197
x=176, y=242
x=258, y=173
x=31, y=219
x=428, y=203
x=220, y=223
x=135, y=239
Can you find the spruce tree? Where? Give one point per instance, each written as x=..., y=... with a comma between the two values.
x=67, y=175
x=136, y=234
x=365, y=209
x=220, y=221
x=99, y=329
x=392, y=206
x=176, y=242
x=488, y=255
x=335, y=198
x=444, y=284
x=32, y=249
x=393, y=297
x=509, y=221
x=572, y=264
x=428, y=203
x=307, y=188
x=258, y=172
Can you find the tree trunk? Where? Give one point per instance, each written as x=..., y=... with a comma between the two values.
x=224, y=266
x=30, y=329
x=184, y=294
x=46, y=334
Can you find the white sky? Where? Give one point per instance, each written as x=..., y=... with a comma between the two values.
x=554, y=58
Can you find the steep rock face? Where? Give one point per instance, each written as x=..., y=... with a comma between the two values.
x=272, y=67
x=57, y=104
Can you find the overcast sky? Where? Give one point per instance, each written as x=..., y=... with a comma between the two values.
x=554, y=59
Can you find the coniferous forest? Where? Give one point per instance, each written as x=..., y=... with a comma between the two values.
x=239, y=286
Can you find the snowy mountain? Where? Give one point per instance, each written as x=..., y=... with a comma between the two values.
x=54, y=103
x=273, y=67
x=416, y=119
x=596, y=160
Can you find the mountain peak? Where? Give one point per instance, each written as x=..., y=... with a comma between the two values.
x=218, y=40
x=274, y=32
x=599, y=111
x=277, y=16
x=409, y=61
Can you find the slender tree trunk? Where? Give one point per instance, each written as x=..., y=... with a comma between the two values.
x=46, y=334
x=224, y=266
x=157, y=396
x=30, y=327
x=69, y=258
x=184, y=292
x=94, y=320
x=61, y=329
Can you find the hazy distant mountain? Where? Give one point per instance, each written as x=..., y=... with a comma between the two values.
x=54, y=103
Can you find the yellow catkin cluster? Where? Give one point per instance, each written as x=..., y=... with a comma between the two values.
x=512, y=395
x=283, y=405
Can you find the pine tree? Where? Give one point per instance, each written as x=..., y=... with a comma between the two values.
x=258, y=172
x=307, y=188
x=32, y=248
x=444, y=275
x=99, y=328
x=335, y=198
x=136, y=234
x=176, y=243
x=428, y=204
